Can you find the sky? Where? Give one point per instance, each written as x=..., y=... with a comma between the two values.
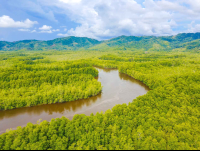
x=98, y=19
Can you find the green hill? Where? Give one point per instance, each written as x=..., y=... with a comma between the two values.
x=133, y=42
x=148, y=42
x=58, y=44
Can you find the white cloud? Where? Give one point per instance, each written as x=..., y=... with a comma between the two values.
x=62, y=35
x=8, y=22
x=102, y=19
x=33, y=31
x=65, y=29
x=26, y=30
x=99, y=19
x=194, y=4
x=193, y=28
x=70, y=1
x=45, y=27
x=46, y=31
x=55, y=30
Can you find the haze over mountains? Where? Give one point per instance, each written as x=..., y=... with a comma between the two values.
x=183, y=40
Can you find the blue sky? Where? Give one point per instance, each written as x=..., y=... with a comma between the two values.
x=98, y=19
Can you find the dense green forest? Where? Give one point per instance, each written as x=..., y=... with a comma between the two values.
x=165, y=43
x=29, y=83
x=167, y=117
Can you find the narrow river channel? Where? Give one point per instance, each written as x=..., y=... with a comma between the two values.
x=118, y=88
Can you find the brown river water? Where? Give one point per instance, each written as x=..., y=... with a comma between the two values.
x=118, y=88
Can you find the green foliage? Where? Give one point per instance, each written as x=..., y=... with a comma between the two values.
x=115, y=57
x=2, y=44
x=165, y=43
x=166, y=118
x=31, y=83
x=57, y=44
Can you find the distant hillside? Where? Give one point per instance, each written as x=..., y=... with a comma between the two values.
x=183, y=40
x=58, y=44
x=152, y=42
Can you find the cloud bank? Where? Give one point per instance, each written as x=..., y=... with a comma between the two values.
x=45, y=27
x=8, y=22
x=100, y=19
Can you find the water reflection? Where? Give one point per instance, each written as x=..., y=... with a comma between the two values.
x=118, y=88
x=106, y=69
x=129, y=78
x=50, y=108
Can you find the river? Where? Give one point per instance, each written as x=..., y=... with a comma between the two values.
x=118, y=88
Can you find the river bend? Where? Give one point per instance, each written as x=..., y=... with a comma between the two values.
x=118, y=88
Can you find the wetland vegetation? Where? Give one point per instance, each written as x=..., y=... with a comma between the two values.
x=167, y=117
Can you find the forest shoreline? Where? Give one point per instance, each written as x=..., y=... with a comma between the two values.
x=115, y=69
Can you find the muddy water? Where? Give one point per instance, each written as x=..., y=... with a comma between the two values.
x=118, y=88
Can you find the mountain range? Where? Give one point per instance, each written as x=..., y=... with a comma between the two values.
x=183, y=40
